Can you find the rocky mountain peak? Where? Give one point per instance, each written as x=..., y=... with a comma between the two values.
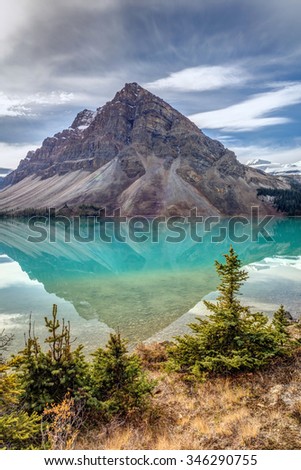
x=130, y=90
x=139, y=154
x=83, y=119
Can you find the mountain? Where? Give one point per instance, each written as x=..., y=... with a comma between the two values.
x=277, y=169
x=139, y=154
x=3, y=173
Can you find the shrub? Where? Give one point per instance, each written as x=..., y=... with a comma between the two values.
x=18, y=430
x=118, y=382
x=63, y=422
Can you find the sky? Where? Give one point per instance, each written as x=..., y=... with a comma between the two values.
x=231, y=66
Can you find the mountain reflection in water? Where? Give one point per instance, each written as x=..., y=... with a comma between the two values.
x=138, y=288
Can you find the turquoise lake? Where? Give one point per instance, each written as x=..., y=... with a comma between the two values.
x=137, y=288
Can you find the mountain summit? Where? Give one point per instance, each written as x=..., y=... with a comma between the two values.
x=139, y=154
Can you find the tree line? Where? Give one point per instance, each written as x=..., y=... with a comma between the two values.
x=285, y=200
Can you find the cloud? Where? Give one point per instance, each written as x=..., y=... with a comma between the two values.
x=17, y=106
x=202, y=78
x=12, y=18
x=13, y=275
x=253, y=113
x=11, y=154
x=200, y=56
x=272, y=153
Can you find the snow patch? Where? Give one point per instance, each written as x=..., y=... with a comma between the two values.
x=276, y=262
x=276, y=169
x=258, y=161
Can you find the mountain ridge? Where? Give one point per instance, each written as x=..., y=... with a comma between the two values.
x=277, y=169
x=137, y=154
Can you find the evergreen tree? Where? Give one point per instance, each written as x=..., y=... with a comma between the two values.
x=231, y=338
x=18, y=430
x=285, y=200
x=47, y=377
x=280, y=323
x=119, y=383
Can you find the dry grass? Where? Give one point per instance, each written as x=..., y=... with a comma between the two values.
x=153, y=355
x=249, y=411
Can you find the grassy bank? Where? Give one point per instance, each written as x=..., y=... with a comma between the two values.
x=254, y=410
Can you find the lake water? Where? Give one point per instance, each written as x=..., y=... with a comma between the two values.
x=138, y=288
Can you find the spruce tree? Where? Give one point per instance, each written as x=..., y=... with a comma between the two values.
x=231, y=338
x=18, y=429
x=119, y=383
x=47, y=376
x=280, y=324
x=228, y=312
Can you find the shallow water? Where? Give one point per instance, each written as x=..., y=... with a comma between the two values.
x=136, y=288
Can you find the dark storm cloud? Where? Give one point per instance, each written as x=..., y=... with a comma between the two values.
x=90, y=49
x=147, y=38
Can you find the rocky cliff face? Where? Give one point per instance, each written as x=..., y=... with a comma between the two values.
x=138, y=154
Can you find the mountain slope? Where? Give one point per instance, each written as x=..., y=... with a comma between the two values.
x=138, y=154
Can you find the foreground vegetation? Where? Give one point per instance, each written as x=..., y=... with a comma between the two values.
x=254, y=410
x=235, y=382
